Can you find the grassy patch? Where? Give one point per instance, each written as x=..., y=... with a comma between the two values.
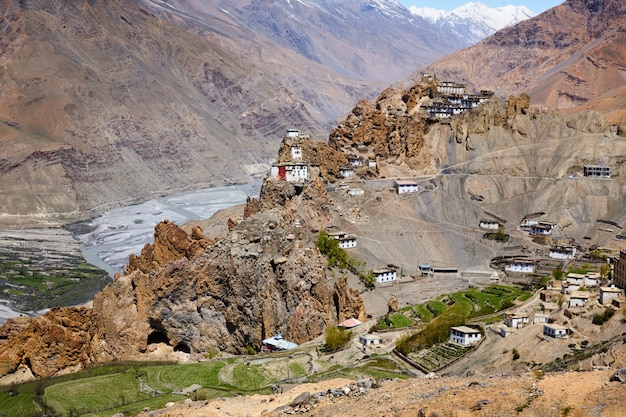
x=94, y=394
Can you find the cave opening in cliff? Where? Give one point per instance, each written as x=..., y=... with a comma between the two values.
x=158, y=336
x=182, y=347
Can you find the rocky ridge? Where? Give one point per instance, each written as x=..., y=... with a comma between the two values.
x=195, y=294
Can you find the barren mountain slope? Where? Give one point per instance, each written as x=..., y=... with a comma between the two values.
x=568, y=56
x=105, y=103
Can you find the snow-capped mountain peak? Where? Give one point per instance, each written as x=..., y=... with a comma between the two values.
x=474, y=21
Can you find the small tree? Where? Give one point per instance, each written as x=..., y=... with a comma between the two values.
x=336, y=338
x=558, y=273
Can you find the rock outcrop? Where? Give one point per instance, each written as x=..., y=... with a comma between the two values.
x=390, y=129
x=195, y=294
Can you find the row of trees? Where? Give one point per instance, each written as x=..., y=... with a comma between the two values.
x=338, y=257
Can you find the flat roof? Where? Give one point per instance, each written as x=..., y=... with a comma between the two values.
x=555, y=326
x=406, y=182
x=465, y=329
x=279, y=342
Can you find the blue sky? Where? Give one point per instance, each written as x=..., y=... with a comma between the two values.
x=537, y=6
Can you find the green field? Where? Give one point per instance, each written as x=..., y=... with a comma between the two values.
x=31, y=281
x=473, y=303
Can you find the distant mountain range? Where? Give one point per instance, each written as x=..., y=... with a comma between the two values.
x=474, y=21
x=126, y=99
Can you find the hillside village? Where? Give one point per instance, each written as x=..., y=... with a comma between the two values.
x=541, y=253
x=428, y=211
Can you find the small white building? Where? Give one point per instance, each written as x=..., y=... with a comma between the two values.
x=464, y=335
x=356, y=191
x=296, y=153
x=597, y=171
x=292, y=133
x=607, y=294
x=555, y=330
x=346, y=240
x=369, y=339
x=590, y=279
x=371, y=163
x=521, y=265
x=527, y=223
x=515, y=320
x=426, y=270
x=355, y=161
x=578, y=298
x=541, y=318
x=489, y=224
x=562, y=252
x=291, y=171
x=346, y=172
x=406, y=186
x=540, y=230
x=385, y=275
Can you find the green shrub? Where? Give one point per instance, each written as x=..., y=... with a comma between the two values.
x=600, y=319
x=336, y=338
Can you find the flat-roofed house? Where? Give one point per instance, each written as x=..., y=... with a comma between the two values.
x=562, y=252
x=406, y=186
x=369, y=339
x=515, y=320
x=347, y=171
x=356, y=191
x=578, y=298
x=464, y=335
x=385, y=275
x=489, y=224
x=597, y=171
x=607, y=294
x=555, y=330
x=346, y=240
x=521, y=265
x=355, y=161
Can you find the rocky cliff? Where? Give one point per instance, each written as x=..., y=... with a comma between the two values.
x=194, y=295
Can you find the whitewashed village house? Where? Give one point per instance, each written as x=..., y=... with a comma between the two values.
x=464, y=335
x=578, y=298
x=524, y=266
x=562, y=252
x=385, y=275
x=607, y=294
x=406, y=186
x=355, y=192
x=369, y=339
x=597, y=171
x=555, y=330
x=355, y=161
x=489, y=224
x=515, y=320
x=346, y=240
x=346, y=172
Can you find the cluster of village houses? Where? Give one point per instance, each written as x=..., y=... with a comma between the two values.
x=451, y=98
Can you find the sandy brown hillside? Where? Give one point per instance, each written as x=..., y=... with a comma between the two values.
x=568, y=56
x=106, y=103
